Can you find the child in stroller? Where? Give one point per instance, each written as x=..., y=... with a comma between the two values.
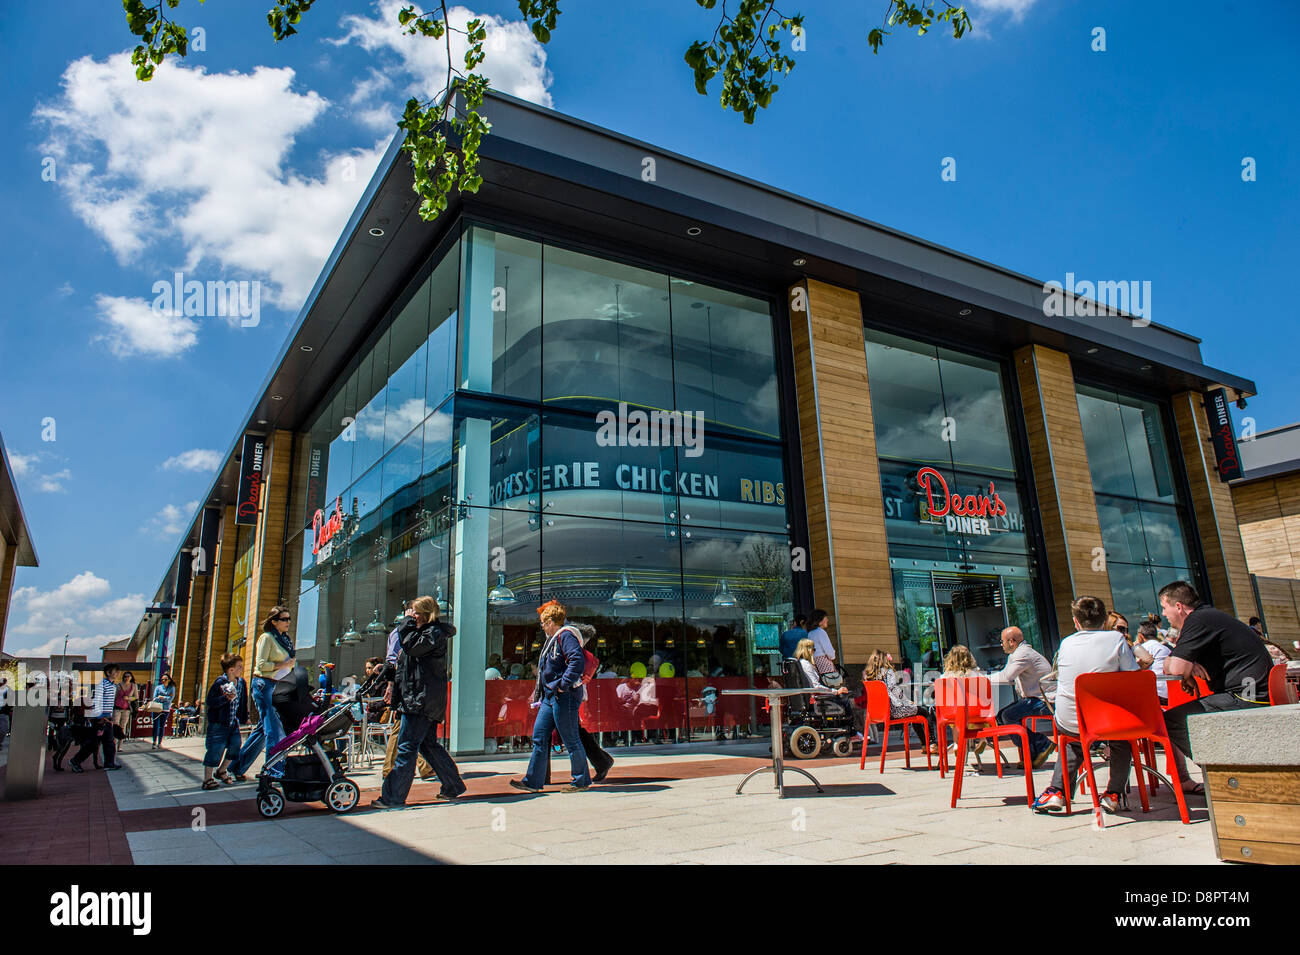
x=317, y=775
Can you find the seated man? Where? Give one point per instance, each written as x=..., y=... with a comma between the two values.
x=1221, y=650
x=1031, y=672
x=1089, y=650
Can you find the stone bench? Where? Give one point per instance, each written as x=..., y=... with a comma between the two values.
x=1251, y=761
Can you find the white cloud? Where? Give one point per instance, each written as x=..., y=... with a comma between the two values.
x=35, y=477
x=1016, y=8
x=135, y=327
x=513, y=59
x=171, y=520
x=83, y=607
x=21, y=463
x=194, y=165
x=197, y=459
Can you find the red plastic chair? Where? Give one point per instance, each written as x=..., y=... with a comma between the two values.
x=1030, y=723
x=878, y=708
x=966, y=704
x=1124, y=706
x=1178, y=696
x=1280, y=690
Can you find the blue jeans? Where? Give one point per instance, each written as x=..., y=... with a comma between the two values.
x=1017, y=711
x=222, y=743
x=159, y=724
x=268, y=732
x=419, y=735
x=559, y=712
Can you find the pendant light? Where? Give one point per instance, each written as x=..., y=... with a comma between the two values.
x=376, y=626
x=501, y=595
x=724, y=597
x=351, y=635
x=624, y=596
x=443, y=606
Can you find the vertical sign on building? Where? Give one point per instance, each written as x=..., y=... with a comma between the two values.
x=250, y=479
x=315, y=482
x=1225, y=442
x=209, y=531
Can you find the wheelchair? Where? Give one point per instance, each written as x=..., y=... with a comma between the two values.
x=810, y=725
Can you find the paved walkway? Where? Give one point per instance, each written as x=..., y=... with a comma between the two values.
x=654, y=808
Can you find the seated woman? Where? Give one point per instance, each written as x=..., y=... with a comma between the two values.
x=961, y=662
x=880, y=666
x=803, y=654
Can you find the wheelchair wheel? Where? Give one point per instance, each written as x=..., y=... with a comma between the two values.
x=842, y=746
x=805, y=743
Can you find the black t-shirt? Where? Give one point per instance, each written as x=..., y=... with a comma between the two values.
x=1233, y=655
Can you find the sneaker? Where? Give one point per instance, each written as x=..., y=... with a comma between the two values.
x=1051, y=800
x=520, y=784
x=1043, y=755
x=379, y=804
x=441, y=796
x=602, y=774
x=1112, y=803
x=75, y=766
x=981, y=745
x=113, y=766
x=574, y=789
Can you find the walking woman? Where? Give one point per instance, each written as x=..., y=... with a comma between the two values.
x=164, y=694
x=273, y=662
x=600, y=760
x=127, y=695
x=556, y=697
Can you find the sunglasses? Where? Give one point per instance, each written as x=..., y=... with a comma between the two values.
x=1121, y=629
x=283, y=619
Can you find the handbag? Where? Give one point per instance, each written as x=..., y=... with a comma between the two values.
x=153, y=706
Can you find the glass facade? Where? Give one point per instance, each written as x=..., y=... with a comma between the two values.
x=531, y=422
x=955, y=498
x=1143, y=517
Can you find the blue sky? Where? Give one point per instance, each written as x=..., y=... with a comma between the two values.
x=244, y=162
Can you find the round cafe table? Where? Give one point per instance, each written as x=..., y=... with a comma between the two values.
x=774, y=697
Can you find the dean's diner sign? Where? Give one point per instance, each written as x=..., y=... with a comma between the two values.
x=960, y=515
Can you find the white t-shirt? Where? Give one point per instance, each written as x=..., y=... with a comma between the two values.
x=1088, y=651
x=1159, y=653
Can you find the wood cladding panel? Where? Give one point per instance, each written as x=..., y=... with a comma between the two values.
x=221, y=580
x=1268, y=514
x=1063, y=482
x=850, y=557
x=1213, y=511
x=269, y=544
x=1280, y=610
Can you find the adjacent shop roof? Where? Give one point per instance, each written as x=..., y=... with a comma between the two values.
x=13, y=522
x=1270, y=453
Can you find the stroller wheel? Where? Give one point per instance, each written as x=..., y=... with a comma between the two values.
x=342, y=795
x=843, y=746
x=270, y=803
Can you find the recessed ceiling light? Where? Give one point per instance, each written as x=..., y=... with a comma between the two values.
x=694, y=230
x=1146, y=368
x=964, y=311
x=1092, y=351
x=377, y=232
x=276, y=398
x=261, y=421
x=799, y=263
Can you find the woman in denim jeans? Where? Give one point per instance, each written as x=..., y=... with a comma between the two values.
x=557, y=697
x=275, y=661
x=227, y=706
x=163, y=694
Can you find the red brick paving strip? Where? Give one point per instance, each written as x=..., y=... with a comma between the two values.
x=487, y=786
x=75, y=822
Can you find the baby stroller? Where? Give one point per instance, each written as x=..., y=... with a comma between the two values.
x=315, y=775
x=809, y=723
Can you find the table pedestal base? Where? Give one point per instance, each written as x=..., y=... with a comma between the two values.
x=780, y=786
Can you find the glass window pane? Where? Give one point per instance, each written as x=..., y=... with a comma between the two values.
x=408, y=353
x=1103, y=437
x=1166, y=543
x=1121, y=529
x=724, y=359
x=606, y=333
x=502, y=295
x=372, y=396
x=444, y=292
x=906, y=400
x=973, y=400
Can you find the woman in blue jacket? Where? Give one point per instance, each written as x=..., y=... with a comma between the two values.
x=557, y=697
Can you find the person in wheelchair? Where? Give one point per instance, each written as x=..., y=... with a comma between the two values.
x=829, y=701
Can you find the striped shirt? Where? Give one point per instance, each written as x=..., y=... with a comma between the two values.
x=105, y=697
